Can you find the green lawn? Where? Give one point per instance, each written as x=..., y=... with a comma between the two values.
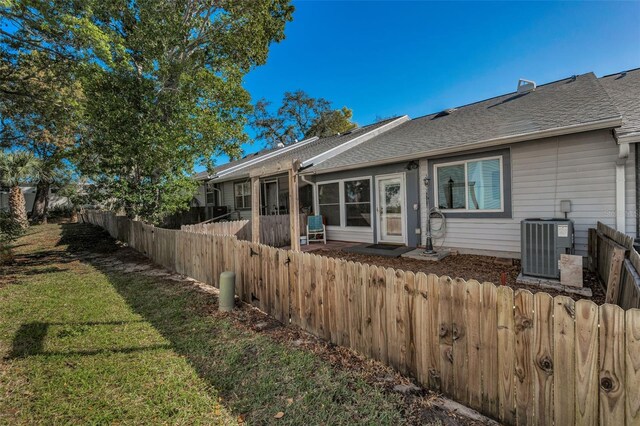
x=80, y=345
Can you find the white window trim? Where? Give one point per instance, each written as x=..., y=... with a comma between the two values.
x=343, y=205
x=436, y=191
x=235, y=196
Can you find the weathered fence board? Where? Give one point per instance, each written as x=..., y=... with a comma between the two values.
x=632, y=362
x=523, y=323
x=586, y=360
x=543, y=363
x=473, y=323
x=459, y=337
x=614, y=258
x=523, y=359
x=506, y=355
x=564, y=360
x=489, y=349
x=446, y=336
x=612, y=371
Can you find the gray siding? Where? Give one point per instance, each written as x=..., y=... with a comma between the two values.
x=579, y=167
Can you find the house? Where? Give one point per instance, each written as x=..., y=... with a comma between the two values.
x=55, y=201
x=493, y=163
x=230, y=184
x=489, y=165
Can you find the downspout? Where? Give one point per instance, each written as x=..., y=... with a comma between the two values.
x=623, y=155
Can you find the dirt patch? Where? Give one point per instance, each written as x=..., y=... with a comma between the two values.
x=468, y=267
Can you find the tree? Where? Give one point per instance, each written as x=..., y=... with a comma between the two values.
x=331, y=123
x=76, y=190
x=300, y=116
x=10, y=230
x=162, y=81
x=17, y=168
x=44, y=119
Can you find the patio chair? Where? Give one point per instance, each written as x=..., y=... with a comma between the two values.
x=316, y=231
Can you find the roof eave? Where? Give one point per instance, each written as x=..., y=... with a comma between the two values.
x=607, y=123
x=633, y=137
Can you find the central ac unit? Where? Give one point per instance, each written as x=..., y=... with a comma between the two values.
x=542, y=243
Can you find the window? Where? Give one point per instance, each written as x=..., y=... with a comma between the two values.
x=329, y=202
x=211, y=194
x=357, y=200
x=242, y=195
x=471, y=185
x=346, y=202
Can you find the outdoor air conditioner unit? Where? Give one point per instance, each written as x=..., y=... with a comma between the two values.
x=542, y=243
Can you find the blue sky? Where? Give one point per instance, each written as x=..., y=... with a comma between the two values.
x=392, y=58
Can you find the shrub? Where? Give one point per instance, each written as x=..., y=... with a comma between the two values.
x=10, y=230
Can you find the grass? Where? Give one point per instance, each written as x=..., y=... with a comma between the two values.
x=83, y=345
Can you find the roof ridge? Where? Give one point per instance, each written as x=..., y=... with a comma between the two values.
x=620, y=72
x=507, y=94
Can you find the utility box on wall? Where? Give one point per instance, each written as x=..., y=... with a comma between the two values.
x=542, y=243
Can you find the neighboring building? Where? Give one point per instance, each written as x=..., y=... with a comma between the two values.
x=29, y=196
x=491, y=164
x=230, y=185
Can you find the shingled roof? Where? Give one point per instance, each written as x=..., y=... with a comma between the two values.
x=624, y=90
x=249, y=157
x=566, y=105
x=307, y=151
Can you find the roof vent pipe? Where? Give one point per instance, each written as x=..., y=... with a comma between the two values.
x=526, y=86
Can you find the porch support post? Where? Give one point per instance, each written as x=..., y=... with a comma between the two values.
x=294, y=206
x=255, y=209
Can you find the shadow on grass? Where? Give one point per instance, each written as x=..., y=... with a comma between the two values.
x=255, y=375
x=29, y=340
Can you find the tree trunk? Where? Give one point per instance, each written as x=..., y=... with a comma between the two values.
x=41, y=203
x=17, y=206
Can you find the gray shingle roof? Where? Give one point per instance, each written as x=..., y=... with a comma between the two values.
x=624, y=90
x=572, y=101
x=245, y=159
x=306, y=151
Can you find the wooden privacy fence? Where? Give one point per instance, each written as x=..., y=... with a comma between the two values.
x=616, y=262
x=240, y=228
x=275, y=230
x=521, y=358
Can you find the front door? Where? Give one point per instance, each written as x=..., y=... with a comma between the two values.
x=391, y=214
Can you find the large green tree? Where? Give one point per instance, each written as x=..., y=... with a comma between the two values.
x=299, y=116
x=162, y=81
x=42, y=115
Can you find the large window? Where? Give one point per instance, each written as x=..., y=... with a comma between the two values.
x=242, y=194
x=329, y=202
x=470, y=185
x=357, y=200
x=346, y=203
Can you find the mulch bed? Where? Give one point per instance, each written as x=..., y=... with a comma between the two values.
x=468, y=267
